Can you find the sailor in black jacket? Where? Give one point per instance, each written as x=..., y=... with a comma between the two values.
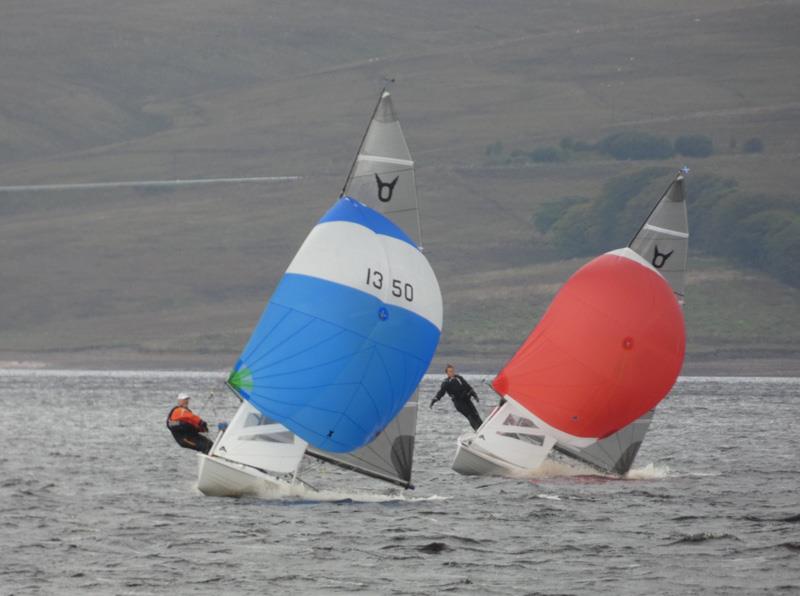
x=457, y=388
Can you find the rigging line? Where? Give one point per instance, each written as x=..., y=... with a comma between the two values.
x=144, y=183
x=214, y=408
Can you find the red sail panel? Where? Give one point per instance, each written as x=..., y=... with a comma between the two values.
x=608, y=349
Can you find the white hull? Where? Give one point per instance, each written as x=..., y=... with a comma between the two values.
x=222, y=478
x=470, y=460
x=508, y=443
x=475, y=456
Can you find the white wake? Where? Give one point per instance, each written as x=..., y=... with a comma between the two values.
x=648, y=472
x=302, y=493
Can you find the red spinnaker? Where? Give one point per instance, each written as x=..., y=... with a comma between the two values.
x=608, y=349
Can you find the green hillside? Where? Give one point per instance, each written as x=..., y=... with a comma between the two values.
x=176, y=277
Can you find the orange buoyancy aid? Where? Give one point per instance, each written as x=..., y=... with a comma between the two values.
x=180, y=416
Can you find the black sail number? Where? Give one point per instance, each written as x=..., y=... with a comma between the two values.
x=376, y=278
x=400, y=289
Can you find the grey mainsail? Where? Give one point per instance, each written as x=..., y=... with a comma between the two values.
x=389, y=456
x=382, y=175
x=663, y=239
x=615, y=453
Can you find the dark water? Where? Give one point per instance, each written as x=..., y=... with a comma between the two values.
x=95, y=498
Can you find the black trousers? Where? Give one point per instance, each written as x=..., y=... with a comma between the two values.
x=194, y=441
x=468, y=409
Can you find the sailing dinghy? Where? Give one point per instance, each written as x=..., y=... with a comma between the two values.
x=609, y=348
x=331, y=369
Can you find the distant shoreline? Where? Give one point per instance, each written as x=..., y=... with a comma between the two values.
x=706, y=366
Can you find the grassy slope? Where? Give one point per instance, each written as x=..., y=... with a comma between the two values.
x=119, y=91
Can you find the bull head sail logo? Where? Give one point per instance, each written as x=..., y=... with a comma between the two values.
x=385, y=189
x=660, y=258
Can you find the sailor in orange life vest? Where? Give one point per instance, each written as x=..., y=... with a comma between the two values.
x=186, y=426
x=460, y=391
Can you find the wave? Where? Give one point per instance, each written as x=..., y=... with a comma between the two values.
x=306, y=495
x=789, y=518
x=434, y=548
x=704, y=537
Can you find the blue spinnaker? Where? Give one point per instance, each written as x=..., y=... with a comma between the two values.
x=348, y=333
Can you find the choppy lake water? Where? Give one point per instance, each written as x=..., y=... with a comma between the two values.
x=96, y=498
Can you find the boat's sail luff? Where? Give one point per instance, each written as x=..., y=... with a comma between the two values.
x=382, y=175
x=389, y=456
x=348, y=333
x=614, y=454
x=663, y=239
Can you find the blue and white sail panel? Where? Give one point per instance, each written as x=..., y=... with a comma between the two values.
x=348, y=333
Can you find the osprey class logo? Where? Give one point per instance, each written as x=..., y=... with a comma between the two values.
x=660, y=258
x=385, y=189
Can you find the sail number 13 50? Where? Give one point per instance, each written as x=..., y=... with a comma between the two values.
x=400, y=289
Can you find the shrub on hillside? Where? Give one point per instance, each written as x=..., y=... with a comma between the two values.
x=636, y=146
x=495, y=149
x=551, y=211
x=694, y=145
x=754, y=145
x=546, y=154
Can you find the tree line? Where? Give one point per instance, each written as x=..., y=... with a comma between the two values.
x=633, y=145
x=755, y=230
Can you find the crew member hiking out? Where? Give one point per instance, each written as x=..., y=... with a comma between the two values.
x=460, y=391
x=186, y=426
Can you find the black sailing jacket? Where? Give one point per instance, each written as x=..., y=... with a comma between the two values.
x=457, y=388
